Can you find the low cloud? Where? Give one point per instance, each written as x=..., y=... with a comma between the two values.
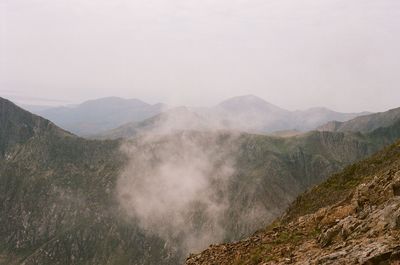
x=175, y=185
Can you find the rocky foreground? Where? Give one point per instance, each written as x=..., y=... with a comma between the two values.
x=353, y=218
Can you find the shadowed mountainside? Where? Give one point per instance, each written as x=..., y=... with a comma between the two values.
x=57, y=199
x=352, y=218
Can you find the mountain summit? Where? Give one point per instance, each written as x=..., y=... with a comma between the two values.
x=249, y=103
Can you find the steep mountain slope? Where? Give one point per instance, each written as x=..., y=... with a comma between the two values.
x=103, y=114
x=365, y=123
x=352, y=218
x=267, y=173
x=19, y=126
x=61, y=201
x=57, y=202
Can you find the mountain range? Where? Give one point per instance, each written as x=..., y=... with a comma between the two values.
x=251, y=113
x=111, y=117
x=70, y=200
x=364, y=123
x=245, y=113
x=99, y=115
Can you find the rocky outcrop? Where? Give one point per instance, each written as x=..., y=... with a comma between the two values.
x=362, y=226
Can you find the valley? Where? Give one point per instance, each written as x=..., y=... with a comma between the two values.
x=69, y=200
x=193, y=132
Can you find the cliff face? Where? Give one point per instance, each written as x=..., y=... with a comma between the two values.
x=352, y=218
x=57, y=199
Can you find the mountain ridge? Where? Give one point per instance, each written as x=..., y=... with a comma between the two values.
x=60, y=202
x=352, y=218
x=17, y=126
x=243, y=113
x=101, y=114
x=364, y=123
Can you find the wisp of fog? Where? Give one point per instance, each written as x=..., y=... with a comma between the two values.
x=175, y=185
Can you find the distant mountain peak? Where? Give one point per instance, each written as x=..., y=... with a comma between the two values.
x=93, y=116
x=246, y=98
x=114, y=100
x=248, y=102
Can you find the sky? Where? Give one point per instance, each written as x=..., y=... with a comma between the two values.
x=341, y=54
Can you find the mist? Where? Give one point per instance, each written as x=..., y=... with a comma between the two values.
x=175, y=186
x=182, y=180
x=338, y=53
x=176, y=181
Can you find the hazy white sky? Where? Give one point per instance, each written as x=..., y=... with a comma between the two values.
x=343, y=54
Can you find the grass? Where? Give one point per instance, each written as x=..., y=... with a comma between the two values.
x=340, y=185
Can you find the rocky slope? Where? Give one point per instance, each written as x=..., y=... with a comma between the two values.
x=352, y=218
x=57, y=202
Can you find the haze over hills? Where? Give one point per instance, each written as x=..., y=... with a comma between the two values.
x=99, y=115
x=245, y=113
x=255, y=114
x=35, y=108
x=252, y=113
x=146, y=131
x=69, y=200
x=172, y=120
x=364, y=123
